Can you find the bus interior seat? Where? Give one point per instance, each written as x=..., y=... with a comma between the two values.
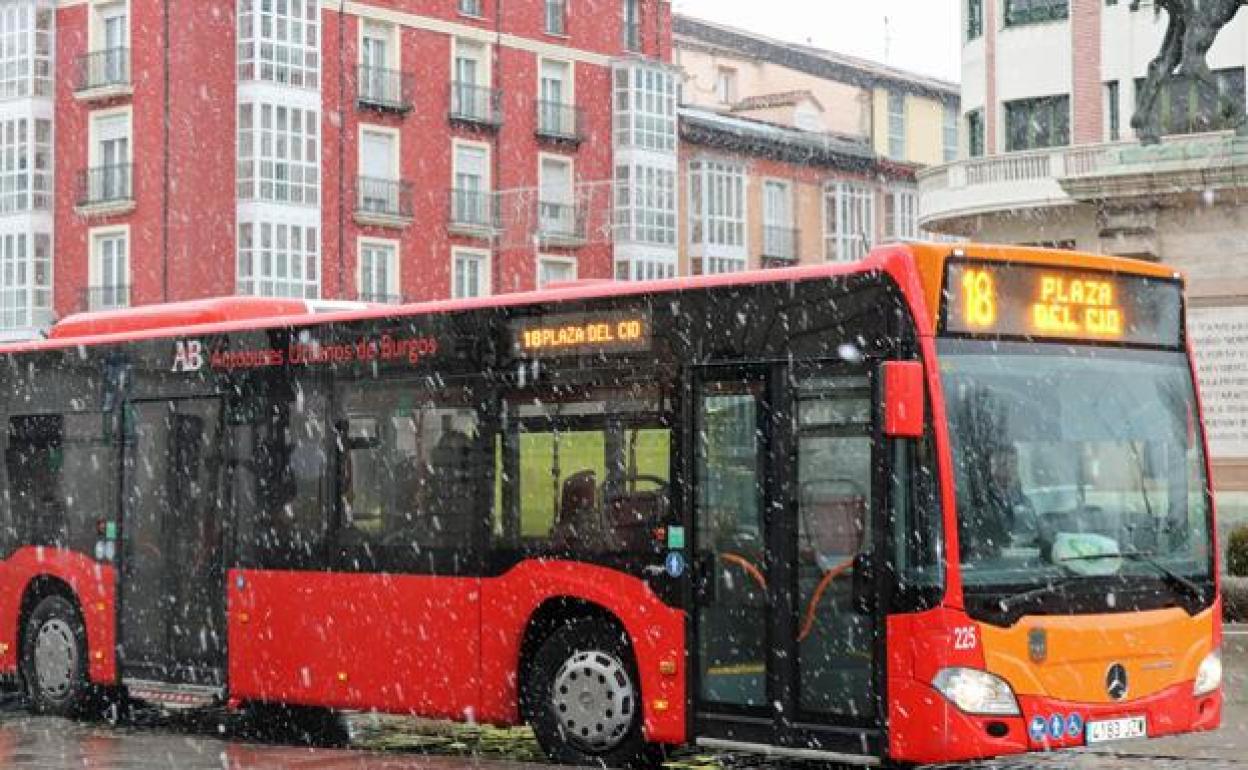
x=633, y=516
x=579, y=522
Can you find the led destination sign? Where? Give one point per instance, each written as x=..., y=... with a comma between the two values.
x=1059, y=303
x=580, y=334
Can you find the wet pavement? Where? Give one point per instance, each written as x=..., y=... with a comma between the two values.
x=148, y=740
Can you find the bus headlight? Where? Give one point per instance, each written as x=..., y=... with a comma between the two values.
x=976, y=692
x=1209, y=675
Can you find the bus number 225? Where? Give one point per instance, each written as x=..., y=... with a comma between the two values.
x=965, y=638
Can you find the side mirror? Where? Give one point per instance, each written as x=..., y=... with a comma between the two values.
x=903, y=399
x=864, y=584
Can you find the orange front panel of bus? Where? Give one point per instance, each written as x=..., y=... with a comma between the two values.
x=397, y=643
x=1160, y=648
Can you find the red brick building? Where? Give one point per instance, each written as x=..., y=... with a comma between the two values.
x=384, y=150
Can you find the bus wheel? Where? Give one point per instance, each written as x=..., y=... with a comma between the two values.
x=582, y=700
x=54, y=658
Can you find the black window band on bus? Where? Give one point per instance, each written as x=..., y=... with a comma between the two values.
x=1060, y=304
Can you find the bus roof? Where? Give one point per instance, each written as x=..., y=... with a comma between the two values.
x=226, y=314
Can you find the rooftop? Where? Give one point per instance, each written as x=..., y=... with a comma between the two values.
x=811, y=60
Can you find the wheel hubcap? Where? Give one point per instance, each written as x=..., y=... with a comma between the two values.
x=56, y=658
x=594, y=700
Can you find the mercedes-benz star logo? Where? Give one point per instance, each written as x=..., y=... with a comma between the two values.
x=1116, y=681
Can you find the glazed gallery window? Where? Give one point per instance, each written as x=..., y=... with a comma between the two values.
x=717, y=214
x=848, y=221
x=645, y=108
x=25, y=279
x=645, y=204
x=278, y=154
x=25, y=165
x=1032, y=124
x=901, y=215
x=279, y=42
x=25, y=49
x=278, y=260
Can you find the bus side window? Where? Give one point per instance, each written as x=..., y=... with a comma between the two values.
x=915, y=528
x=281, y=473
x=409, y=475
x=33, y=461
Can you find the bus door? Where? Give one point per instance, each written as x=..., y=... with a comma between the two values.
x=783, y=503
x=172, y=592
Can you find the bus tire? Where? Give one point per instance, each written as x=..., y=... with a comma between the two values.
x=582, y=698
x=54, y=659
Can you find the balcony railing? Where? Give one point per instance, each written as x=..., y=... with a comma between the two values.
x=473, y=211
x=380, y=299
x=386, y=89
x=104, y=185
x=106, y=297
x=386, y=198
x=780, y=243
x=560, y=223
x=559, y=121
x=106, y=69
x=476, y=104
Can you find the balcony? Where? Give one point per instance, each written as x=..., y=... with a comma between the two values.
x=475, y=105
x=779, y=246
x=560, y=122
x=105, y=190
x=385, y=90
x=109, y=297
x=383, y=202
x=473, y=213
x=103, y=75
x=560, y=225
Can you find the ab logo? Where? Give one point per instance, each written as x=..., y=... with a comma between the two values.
x=188, y=356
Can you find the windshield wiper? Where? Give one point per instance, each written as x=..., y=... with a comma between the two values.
x=1168, y=576
x=1052, y=587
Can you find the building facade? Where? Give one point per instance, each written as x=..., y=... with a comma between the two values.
x=793, y=155
x=1049, y=158
x=383, y=151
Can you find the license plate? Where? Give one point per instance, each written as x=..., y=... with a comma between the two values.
x=1117, y=729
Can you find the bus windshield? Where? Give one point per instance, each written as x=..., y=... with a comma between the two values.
x=1080, y=477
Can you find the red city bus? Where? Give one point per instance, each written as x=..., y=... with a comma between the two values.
x=941, y=504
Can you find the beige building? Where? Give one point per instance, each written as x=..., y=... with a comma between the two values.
x=902, y=116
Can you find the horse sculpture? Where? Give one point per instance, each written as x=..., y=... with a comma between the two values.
x=1193, y=26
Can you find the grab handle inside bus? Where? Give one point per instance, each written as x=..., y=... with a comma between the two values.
x=903, y=399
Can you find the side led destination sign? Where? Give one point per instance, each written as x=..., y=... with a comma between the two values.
x=582, y=334
x=1015, y=300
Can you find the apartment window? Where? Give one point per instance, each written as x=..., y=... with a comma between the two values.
x=470, y=199
x=901, y=215
x=379, y=272
x=1019, y=12
x=110, y=27
x=726, y=85
x=1181, y=104
x=555, y=114
x=557, y=214
x=896, y=125
x=278, y=154
x=950, y=130
x=378, y=62
x=25, y=50
x=779, y=236
x=25, y=165
x=25, y=279
x=470, y=64
x=645, y=108
x=645, y=204
x=848, y=221
x=279, y=41
x=1032, y=124
x=1113, y=117
x=556, y=17
x=632, y=25
x=555, y=270
x=470, y=273
x=975, y=133
x=379, y=171
x=974, y=19
x=717, y=214
x=109, y=175
x=471, y=8
x=110, y=270
x=277, y=259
